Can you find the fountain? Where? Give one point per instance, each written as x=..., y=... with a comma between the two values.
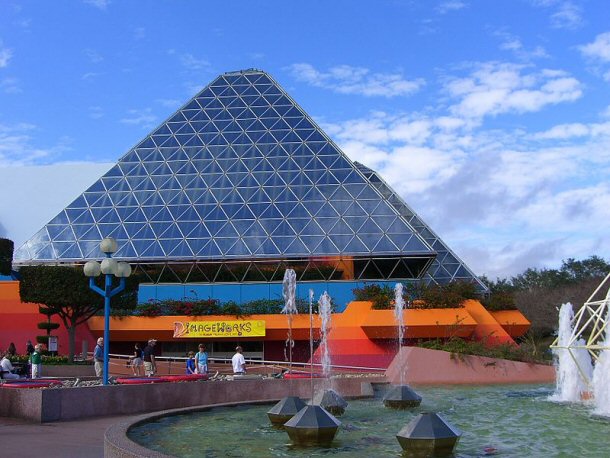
x=314, y=425
x=429, y=434
x=287, y=407
x=327, y=398
x=400, y=396
x=601, y=376
x=501, y=420
x=581, y=337
x=573, y=361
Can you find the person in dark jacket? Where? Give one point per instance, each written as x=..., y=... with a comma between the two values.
x=150, y=366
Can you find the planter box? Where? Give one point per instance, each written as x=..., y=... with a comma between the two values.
x=425, y=323
x=58, y=404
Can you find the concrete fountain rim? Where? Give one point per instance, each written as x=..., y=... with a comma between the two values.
x=117, y=444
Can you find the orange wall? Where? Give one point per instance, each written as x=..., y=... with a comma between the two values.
x=358, y=320
x=18, y=322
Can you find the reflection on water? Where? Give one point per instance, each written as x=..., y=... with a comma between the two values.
x=515, y=421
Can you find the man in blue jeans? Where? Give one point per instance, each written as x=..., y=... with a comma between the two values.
x=98, y=357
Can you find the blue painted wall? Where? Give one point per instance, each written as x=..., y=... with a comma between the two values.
x=340, y=291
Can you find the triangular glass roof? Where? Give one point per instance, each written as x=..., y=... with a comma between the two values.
x=447, y=266
x=239, y=172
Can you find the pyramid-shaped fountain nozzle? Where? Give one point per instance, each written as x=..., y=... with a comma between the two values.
x=429, y=434
x=285, y=409
x=312, y=425
x=401, y=397
x=331, y=401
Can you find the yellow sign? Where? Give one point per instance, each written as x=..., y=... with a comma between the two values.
x=206, y=329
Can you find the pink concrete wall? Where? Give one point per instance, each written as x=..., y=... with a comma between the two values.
x=424, y=366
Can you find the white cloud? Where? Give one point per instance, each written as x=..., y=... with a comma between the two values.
x=193, y=63
x=96, y=112
x=346, y=79
x=5, y=55
x=503, y=201
x=565, y=14
x=568, y=131
x=514, y=44
x=450, y=5
x=142, y=117
x=17, y=146
x=495, y=87
x=10, y=85
x=26, y=209
x=93, y=56
x=599, y=49
x=99, y=4
x=169, y=103
x=90, y=75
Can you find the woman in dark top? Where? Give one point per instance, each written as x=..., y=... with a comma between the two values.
x=138, y=362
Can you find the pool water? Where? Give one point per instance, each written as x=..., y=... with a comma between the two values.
x=513, y=421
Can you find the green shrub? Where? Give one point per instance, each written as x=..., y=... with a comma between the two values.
x=48, y=325
x=42, y=340
x=459, y=347
x=450, y=295
x=48, y=360
x=202, y=307
x=501, y=300
x=6, y=256
x=382, y=296
x=149, y=309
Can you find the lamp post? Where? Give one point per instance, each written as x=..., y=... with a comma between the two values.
x=108, y=267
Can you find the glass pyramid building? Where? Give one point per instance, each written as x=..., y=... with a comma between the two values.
x=237, y=185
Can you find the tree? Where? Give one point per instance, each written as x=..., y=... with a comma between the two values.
x=48, y=326
x=65, y=292
x=592, y=267
x=6, y=256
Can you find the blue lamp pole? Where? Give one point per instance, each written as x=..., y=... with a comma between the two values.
x=108, y=267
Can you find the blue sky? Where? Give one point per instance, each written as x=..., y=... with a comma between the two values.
x=491, y=118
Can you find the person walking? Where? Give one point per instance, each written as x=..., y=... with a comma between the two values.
x=29, y=348
x=150, y=365
x=239, y=363
x=98, y=357
x=201, y=360
x=36, y=361
x=137, y=360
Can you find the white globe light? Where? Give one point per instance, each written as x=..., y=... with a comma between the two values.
x=109, y=266
x=123, y=270
x=108, y=245
x=92, y=269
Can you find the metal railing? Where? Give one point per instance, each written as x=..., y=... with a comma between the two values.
x=254, y=362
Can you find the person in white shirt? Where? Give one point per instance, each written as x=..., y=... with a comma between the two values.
x=7, y=369
x=239, y=363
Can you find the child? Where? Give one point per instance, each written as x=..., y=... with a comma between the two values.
x=190, y=364
x=36, y=361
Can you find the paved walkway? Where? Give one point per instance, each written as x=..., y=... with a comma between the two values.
x=66, y=439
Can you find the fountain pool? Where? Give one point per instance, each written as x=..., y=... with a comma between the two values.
x=504, y=421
